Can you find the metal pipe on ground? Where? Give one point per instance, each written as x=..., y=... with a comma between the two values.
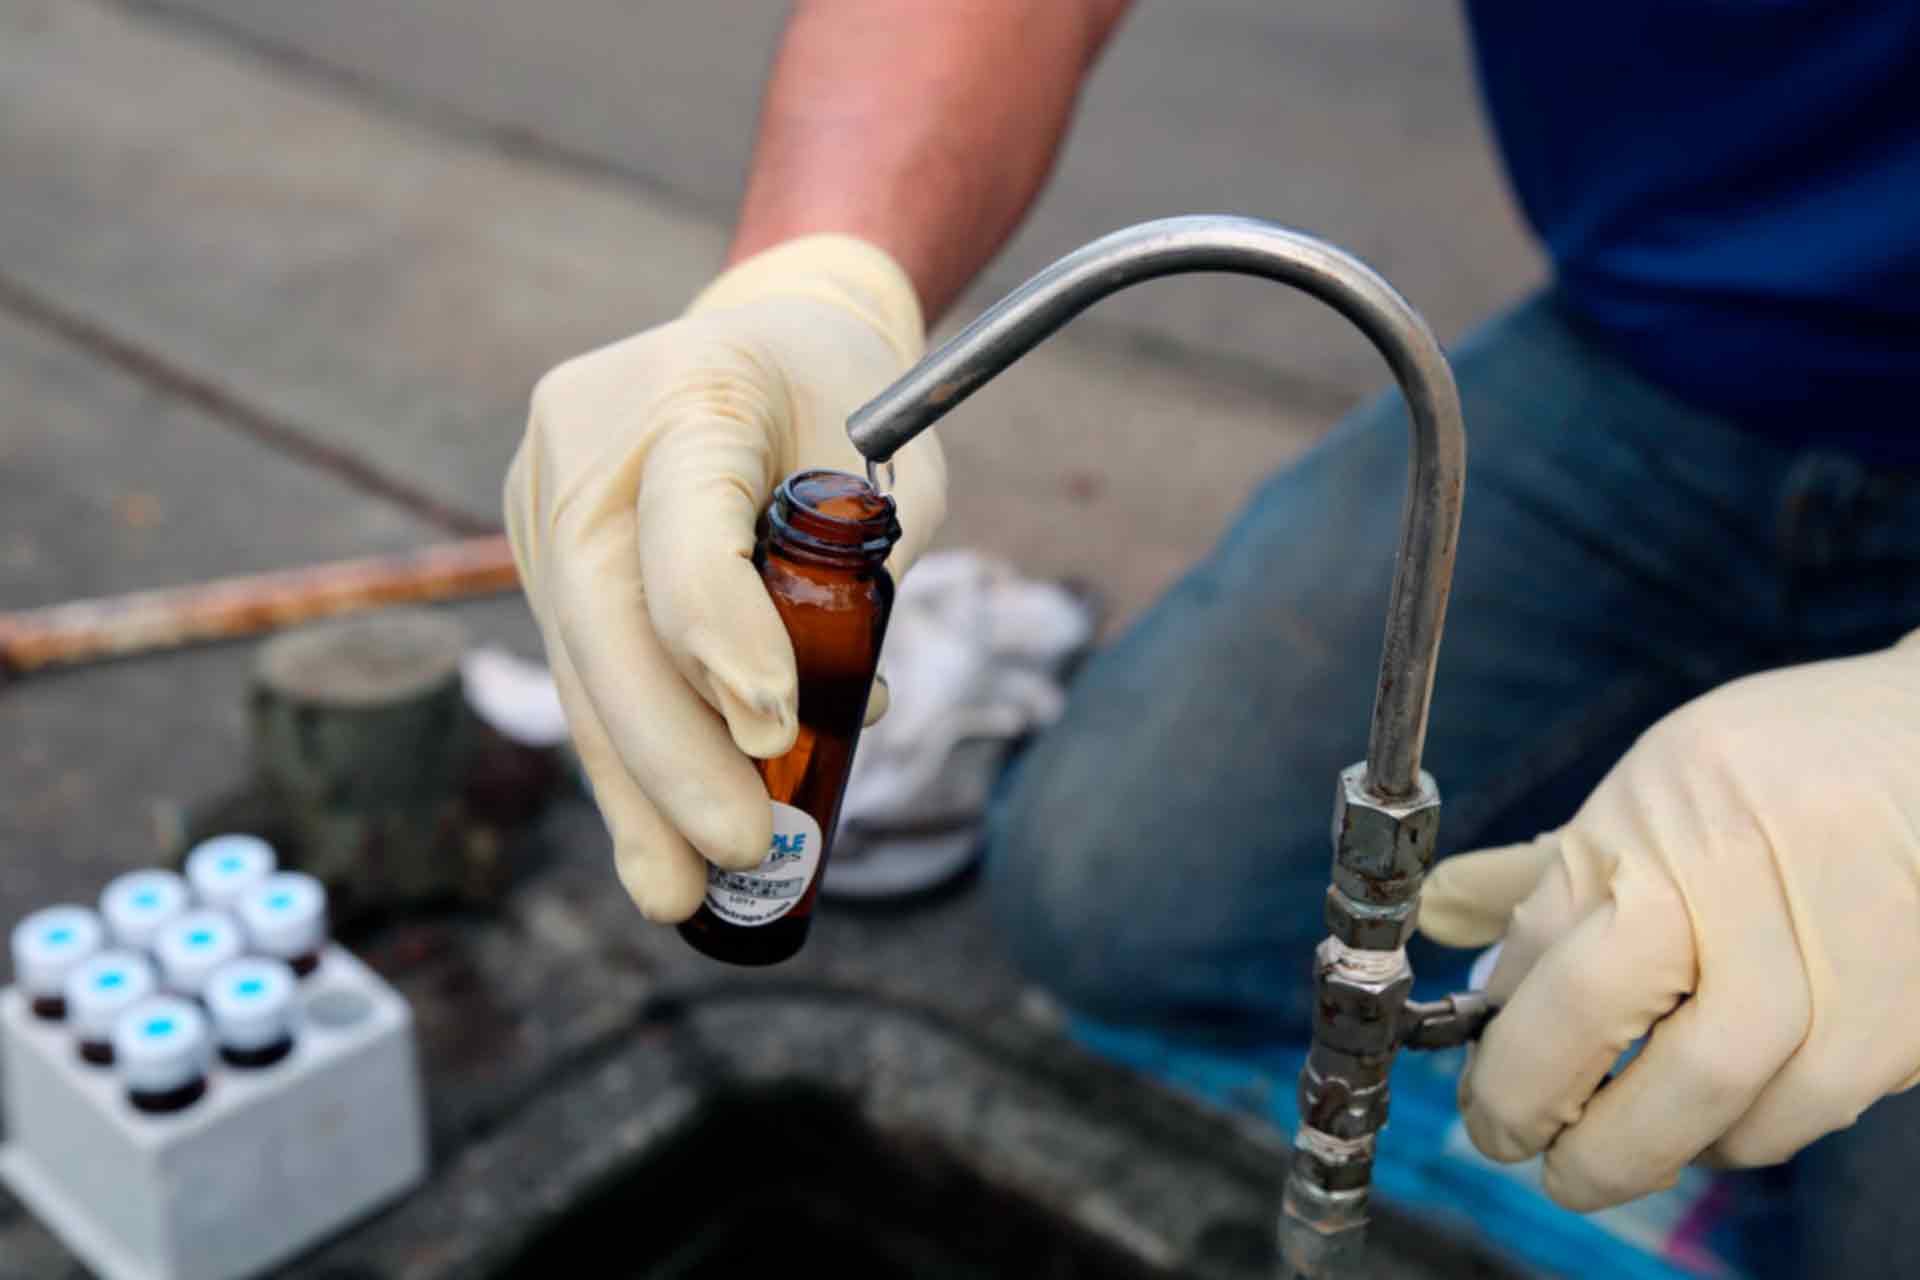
x=95, y=630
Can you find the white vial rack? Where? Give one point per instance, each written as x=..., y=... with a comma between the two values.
x=264, y=1164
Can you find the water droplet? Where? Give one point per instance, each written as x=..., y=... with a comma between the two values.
x=880, y=475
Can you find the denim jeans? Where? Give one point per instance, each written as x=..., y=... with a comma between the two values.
x=1159, y=857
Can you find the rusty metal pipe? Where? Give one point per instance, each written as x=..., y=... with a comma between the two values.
x=141, y=622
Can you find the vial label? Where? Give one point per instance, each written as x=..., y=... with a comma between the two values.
x=775, y=887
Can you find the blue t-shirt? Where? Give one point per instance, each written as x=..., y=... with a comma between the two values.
x=1730, y=193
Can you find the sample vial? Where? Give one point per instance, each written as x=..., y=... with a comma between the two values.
x=99, y=991
x=160, y=1048
x=821, y=553
x=221, y=869
x=285, y=917
x=138, y=904
x=252, y=1002
x=193, y=946
x=47, y=946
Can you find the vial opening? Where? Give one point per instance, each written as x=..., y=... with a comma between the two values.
x=834, y=512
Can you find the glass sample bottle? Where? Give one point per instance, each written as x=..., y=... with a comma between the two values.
x=161, y=1049
x=192, y=946
x=252, y=1003
x=47, y=946
x=821, y=553
x=137, y=905
x=98, y=992
x=222, y=869
x=285, y=917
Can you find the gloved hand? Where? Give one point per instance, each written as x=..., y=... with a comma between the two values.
x=631, y=506
x=1746, y=884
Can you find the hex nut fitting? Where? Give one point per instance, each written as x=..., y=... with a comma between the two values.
x=1381, y=848
x=1358, y=1012
x=1326, y=1171
x=1337, y=1108
x=1372, y=928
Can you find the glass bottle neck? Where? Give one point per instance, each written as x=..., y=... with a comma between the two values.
x=832, y=518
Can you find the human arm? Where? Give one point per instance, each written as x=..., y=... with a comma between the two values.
x=885, y=181
x=926, y=129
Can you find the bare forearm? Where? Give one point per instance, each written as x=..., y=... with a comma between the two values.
x=926, y=127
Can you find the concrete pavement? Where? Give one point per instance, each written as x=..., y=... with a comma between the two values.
x=384, y=220
x=374, y=223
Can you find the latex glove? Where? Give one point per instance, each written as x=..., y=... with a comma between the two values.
x=631, y=506
x=1746, y=883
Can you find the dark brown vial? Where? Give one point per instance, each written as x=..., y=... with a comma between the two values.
x=822, y=552
x=160, y=1104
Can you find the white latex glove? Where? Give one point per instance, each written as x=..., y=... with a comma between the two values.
x=631, y=506
x=1746, y=884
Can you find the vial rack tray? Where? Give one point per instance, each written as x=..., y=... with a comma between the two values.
x=267, y=1163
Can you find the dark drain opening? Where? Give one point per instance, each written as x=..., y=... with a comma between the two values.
x=771, y=1181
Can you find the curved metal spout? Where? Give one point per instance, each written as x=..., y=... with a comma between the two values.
x=1430, y=520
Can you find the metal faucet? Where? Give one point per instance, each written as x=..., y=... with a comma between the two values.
x=1386, y=808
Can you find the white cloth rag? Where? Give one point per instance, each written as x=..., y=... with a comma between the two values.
x=975, y=659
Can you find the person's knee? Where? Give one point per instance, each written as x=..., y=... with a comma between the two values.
x=1056, y=893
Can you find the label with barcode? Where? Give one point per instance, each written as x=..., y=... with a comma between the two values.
x=775, y=887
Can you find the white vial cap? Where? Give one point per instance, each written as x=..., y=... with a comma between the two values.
x=193, y=946
x=287, y=915
x=138, y=903
x=223, y=868
x=160, y=1044
x=50, y=944
x=252, y=1003
x=100, y=990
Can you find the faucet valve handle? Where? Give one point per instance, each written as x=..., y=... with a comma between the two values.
x=1448, y=1023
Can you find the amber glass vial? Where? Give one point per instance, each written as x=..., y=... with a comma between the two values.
x=821, y=552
